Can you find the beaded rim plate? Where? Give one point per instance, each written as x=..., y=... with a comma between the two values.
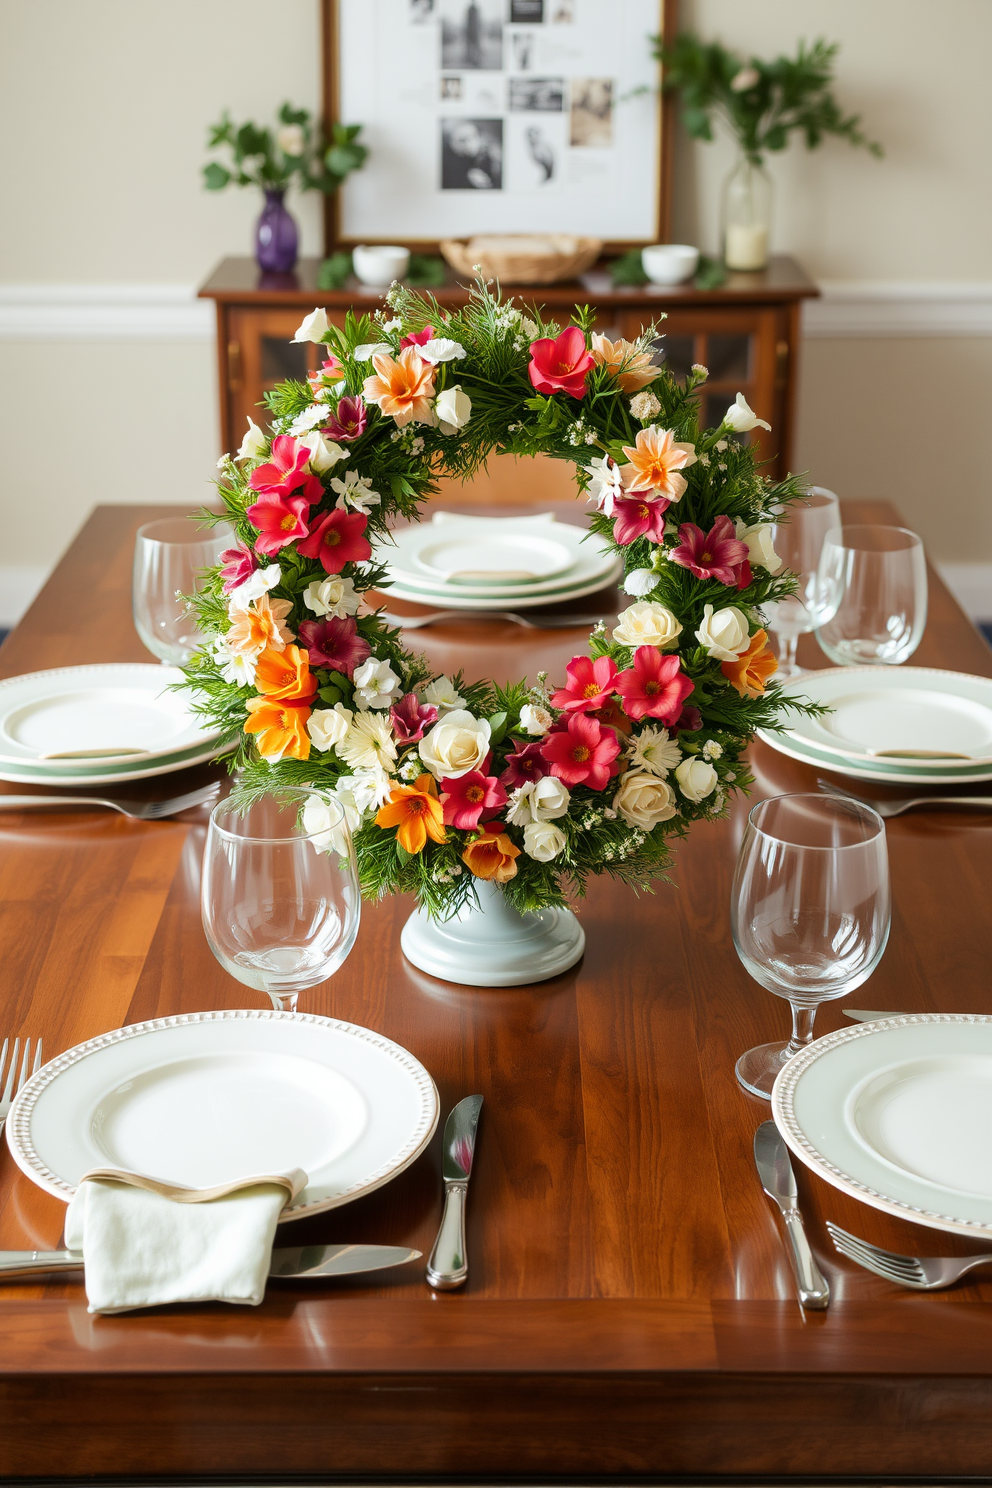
x=896, y=1113
x=200, y=1098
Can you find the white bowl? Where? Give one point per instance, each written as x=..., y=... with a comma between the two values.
x=378, y=264
x=669, y=263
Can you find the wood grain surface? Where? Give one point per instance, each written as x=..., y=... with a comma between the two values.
x=630, y=1310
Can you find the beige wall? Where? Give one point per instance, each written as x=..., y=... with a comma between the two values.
x=104, y=105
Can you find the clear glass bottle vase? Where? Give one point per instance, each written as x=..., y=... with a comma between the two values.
x=747, y=215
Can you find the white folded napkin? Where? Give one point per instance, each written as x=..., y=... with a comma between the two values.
x=145, y=1242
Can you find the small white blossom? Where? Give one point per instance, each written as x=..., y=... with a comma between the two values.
x=355, y=491
x=528, y=327
x=748, y=77
x=390, y=326
x=309, y=419
x=644, y=406
x=712, y=750
x=314, y=327
x=720, y=446
x=440, y=349
x=699, y=371
x=442, y=694
x=236, y=667
x=654, y=749
x=369, y=349
x=376, y=685
x=257, y=584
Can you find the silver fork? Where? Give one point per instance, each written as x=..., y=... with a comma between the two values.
x=921, y=1273
x=896, y=808
x=144, y=810
x=9, y=1091
x=537, y=620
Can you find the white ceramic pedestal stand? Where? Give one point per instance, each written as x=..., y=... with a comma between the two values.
x=494, y=945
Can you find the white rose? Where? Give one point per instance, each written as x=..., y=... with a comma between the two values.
x=324, y=453
x=455, y=745
x=760, y=541
x=335, y=596
x=696, y=778
x=643, y=800
x=441, y=350
x=453, y=408
x=647, y=624
x=376, y=684
x=543, y=841
x=741, y=419
x=253, y=444
x=640, y=581
x=328, y=726
x=535, y=720
x=329, y=824
x=441, y=693
x=291, y=141
x=550, y=798
x=724, y=633
x=257, y=584
x=313, y=328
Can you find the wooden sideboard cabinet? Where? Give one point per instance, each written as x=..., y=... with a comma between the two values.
x=746, y=332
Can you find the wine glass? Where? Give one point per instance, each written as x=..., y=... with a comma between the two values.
x=809, y=910
x=871, y=595
x=798, y=542
x=170, y=557
x=279, y=891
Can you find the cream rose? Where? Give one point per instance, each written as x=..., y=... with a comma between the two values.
x=328, y=726
x=534, y=720
x=543, y=841
x=724, y=633
x=335, y=596
x=647, y=624
x=539, y=800
x=696, y=777
x=643, y=800
x=760, y=541
x=324, y=453
x=453, y=408
x=455, y=745
x=313, y=328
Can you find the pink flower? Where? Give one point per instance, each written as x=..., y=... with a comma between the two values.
x=348, y=421
x=337, y=539
x=410, y=718
x=654, y=687
x=581, y=752
x=639, y=518
x=236, y=565
x=335, y=644
x=279, y=519
x=419, y=338
x=561, y=365
x=716, y=554
x=288, y=472
x=471, y=799
x=525, y=763
x=589, y=684
x=331, y=371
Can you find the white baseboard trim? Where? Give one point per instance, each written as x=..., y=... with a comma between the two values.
x=18, y=587
x=104, y=312
x=893, y=308
x=971, y=585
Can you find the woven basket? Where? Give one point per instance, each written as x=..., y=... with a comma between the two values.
x=514, y=262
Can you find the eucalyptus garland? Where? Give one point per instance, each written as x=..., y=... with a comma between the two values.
x=535, y=785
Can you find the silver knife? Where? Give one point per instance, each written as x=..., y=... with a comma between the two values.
x=866, y=1015
x=771, y=1158
x=299, y=1263
x=448, y=1265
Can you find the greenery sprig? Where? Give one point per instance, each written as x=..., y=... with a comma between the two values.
x=296, y=152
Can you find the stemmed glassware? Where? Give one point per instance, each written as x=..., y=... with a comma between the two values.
x=279, y=892
x=170, y=557
x=798, y=542
x=810, y=911
x=871, y=595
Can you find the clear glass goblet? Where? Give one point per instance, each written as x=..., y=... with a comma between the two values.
x=810, y=911
x=279, y=892
x=871, y=606
x=170, y=558
x=799, y=542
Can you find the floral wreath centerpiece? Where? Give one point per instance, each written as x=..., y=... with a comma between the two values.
x=446, y=783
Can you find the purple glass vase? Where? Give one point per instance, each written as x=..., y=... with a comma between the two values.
x=276, y=239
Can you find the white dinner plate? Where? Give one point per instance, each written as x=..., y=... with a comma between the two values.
x=897, y=1113
x=111, y=775
x=916, y=708
x=108, y=706
x=202, y=1098
x=890, y=772
x=452, y=599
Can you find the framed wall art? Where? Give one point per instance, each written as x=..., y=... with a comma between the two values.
x=500, y=116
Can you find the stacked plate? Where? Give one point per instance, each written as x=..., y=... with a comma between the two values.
x=901, y=725
x=97, y=725
x=485, y=563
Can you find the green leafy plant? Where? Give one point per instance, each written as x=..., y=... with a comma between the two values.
x=296, y=152
x=762, y=103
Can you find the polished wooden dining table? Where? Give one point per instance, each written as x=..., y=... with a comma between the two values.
x=630, y=1311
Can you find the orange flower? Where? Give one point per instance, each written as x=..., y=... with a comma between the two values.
x=750, y=672
x=403, y=386
x=260, y=626
x=632, y=369
x=655, y=459
x=281, y=728
x=492, y=855
x=415, y=812
x=285, y=674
